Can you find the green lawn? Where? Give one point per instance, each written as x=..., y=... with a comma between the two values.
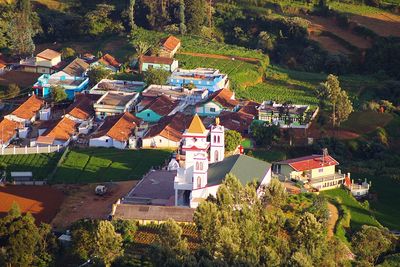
x=359, y=215
x=269, y=155
x=363, y=122
x=39, y=164
x=103, y=164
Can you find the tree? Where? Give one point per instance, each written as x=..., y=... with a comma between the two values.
x=266, y=42
x=156, y=76
x=232, y=140
x=96, y=74
x=141, y=47
x=264, y=134
x=97, y=21
x=131, y=14
x=309, y=235
x=275, y=194
x=58, y=93
x=344, y=107
x=67, y=52
x=195, y=15
x=370, y=242
x=126, y=228
x=182, y=25
x=12, y=90
x=96, y=240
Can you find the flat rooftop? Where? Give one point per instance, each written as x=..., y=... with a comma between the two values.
x=68, y=82
x=119, y=86
x=115, y=99
x=156, y=188
x=157, y=90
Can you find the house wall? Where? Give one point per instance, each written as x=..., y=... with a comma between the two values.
x=159, y=142
x=103, y=141
x=148, y=115
x=202, y=193
x=329, y=170
x=326, y=185
x=97, y=64
x=48, y=63
x=119, y=144
x=21, y=120
x=209, y=109
x=147, y=66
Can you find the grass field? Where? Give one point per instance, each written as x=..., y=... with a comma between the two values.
x=363, y=122
x=359, y=214
x=39, y=164
x=101, y=165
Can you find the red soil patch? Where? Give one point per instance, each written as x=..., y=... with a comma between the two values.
x=383, y=24
x=320, y=24
x=42, y=202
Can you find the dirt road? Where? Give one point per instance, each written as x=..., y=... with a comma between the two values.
x=334, y=215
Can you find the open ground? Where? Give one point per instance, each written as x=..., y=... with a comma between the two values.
x=43, y=202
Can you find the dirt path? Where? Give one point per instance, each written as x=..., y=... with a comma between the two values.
x=333, y=217
x=245, y=59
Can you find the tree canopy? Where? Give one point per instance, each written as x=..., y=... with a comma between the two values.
x=232, y=140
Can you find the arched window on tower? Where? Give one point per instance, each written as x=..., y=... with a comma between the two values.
x=197, y=165
x=216, y=155
x=201, y=166
x=198, y=182
x=215, y=139
x=219, y=139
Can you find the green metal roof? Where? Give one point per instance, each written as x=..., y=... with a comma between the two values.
x=245, y=168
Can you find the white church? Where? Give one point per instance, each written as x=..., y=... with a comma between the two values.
x=201, y=165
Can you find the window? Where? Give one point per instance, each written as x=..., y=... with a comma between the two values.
x=215, y=139
x=160, y=141
x=212, y=109
x=320, y=170
x=219, y=139
x=216, y=155
x=197, y=166
x=198, y=182
x=201, y=166
x=148, y=114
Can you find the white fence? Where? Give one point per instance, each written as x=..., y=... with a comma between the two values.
x=30, y=150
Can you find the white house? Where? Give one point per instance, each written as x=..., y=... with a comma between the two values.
x=113, y=103
x=61, y=132
x=115, y=131
x=27, y=112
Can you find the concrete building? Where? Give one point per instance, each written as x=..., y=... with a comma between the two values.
x=117, y=86
x=202, y=78
x=114, y=103
x=163, y=63
x=44, y=62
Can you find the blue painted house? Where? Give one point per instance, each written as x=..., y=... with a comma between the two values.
x=157, y=109
x=202, y=78
x=71, y=85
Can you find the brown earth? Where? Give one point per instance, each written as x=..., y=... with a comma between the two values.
x=43, y=202
x=22, y=79
x=384, y=24
x=320, y=24
x=333, y=217
x=330, y=45
x=81, y=202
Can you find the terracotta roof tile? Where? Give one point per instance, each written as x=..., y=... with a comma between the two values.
x=310, y=162
x=156, y=60
x=171, y=43
x=236, y=121
x=48, y=54
x=162, y=105
x=109, y=60
x=62, y=130
x=76, y=68
x=224, y=98
x=7, y=129
x=250, y=107
x=82, y=108
x=171, y=127
x=118, y=127
x=2, y=65
x=29, y=108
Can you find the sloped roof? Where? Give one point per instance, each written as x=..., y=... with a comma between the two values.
x=62, y=130
x=76, y=68
x=29, y=108
x=171, y=43
x=7, y=129
x=245, y=168
x=310, y=162
x=236, y=121
x=170, y=127
x=82, y=108
x=118, y=127
x=162, y=105
x=250, y=107
x=48, y=54
x=196, y=126
x=156, y=60
x=109, y=60
x=224, y=98
x=154, y=213
x=2, y=65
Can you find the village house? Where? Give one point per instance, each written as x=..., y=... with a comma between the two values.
x=158, y=108
x=167, y=133
x=315, y=171
x=286, y=115
x=60, y=132
x=152, y=62
x=222, y=100
x=169, y=46
x=76, y=69
x=118, y=86
x=27, y=112
x=249, y=108
x=202, y=78
x=44, y=62
x=236, y=121
x=71, y=85
x=107, y=61
x=8, y=131
x=204, y=167
x=358, y=190
x=112, y=103
x=115, y=131
x=2, y=68
x=82, y=112
x=190, y=97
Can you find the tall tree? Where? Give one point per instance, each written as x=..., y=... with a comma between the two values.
x=330, y=90
x=195, y=15
x=131, y=14
x=182, y=22
x=344, y=107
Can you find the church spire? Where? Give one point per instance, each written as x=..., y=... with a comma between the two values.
x=196, y=126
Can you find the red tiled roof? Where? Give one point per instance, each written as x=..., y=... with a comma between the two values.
x=118, y=127
x=156, y=60
x=162, y=105
x=224, y=97
x=250, y=107
x=29, y=108
x=2, y=65
x=236, y=121
x=171, y=43
x=7, y=130
x=82, y=108
x=310, y=162
x=48, y=54
x=62, y=130
x=171, y=127
x=109, y=60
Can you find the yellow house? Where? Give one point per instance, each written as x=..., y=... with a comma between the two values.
x=316, y=171
x=44, y=62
